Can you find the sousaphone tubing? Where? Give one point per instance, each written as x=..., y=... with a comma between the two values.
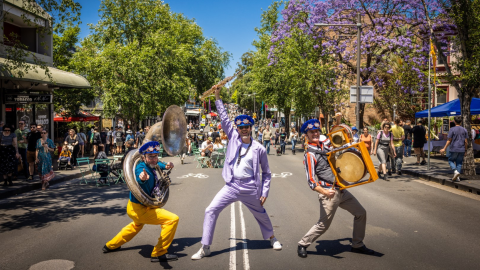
x=171, y=134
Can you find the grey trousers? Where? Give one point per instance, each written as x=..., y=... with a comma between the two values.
x=328, y=207
x=396, y=163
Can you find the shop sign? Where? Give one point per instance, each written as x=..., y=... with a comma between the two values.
x=27, y=98
x=42, y=120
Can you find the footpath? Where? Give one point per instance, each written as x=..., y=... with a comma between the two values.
x=441, y=173
x=21, y=185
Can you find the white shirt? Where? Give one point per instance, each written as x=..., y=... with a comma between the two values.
x=217, y=146
x=204, y=145
x=245, y=168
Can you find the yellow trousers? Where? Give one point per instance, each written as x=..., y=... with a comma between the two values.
x=142, y=215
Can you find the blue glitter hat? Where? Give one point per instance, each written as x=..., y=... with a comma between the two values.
x=152, y=147
x=244, y=120
x=311, y=124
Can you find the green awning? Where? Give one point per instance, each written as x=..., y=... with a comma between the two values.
x=36, y=74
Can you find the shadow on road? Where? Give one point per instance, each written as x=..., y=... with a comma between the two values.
x=333, y=248
x=60, y=205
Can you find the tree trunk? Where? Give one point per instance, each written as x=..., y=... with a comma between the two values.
x=465, y=101
x=286, y=112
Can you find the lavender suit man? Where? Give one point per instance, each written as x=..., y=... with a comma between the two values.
x=244, y=180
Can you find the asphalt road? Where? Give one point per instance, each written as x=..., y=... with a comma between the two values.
x=410, y=225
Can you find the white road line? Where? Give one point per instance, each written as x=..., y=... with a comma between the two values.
x=449, y=189
x=233, y=241
x=246, y=262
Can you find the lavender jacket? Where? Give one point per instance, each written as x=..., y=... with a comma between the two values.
x=259, y=155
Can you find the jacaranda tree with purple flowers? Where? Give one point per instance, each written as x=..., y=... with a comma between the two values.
x=391, y=28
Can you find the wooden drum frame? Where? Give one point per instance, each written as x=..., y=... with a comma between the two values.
x=340, y=135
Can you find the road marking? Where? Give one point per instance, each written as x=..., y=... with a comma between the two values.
x=194, y=175
x=246, y=262
x=282, y=175
x=233, y=241
x=449, y=189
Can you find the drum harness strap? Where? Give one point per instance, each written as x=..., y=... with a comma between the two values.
x=323, y=170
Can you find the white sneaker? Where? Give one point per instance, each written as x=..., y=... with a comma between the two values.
x=203, y=252
x=275, y=244
x=456, y=174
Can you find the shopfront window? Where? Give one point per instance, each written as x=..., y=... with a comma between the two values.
x=25, y=113
x=42, y=116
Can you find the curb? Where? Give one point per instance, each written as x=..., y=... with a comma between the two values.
x=446, y=181
x=35, y=186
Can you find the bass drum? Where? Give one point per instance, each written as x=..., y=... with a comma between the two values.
x=350, y=166
x=338, y=138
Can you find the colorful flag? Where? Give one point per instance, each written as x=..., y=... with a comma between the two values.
x=434, y=61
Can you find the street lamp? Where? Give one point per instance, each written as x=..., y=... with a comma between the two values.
x=359, y=31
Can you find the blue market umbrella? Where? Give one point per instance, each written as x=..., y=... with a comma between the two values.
x=451, y=108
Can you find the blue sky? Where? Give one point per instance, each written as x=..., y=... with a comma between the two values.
x=231, y=23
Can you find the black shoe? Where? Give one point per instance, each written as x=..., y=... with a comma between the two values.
x=164, y=258
x=107, y=250
x=5, y=183
x=399, y=173
x=302, y=251
x=385, y=177
x=389, y=173
x=363, y=250
x=423, y=162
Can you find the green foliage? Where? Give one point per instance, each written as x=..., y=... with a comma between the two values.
x=68, y=101
x=142, y=58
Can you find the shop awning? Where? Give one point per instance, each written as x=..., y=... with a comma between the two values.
x=80, y=117
x=192, y=112
x=36, y=74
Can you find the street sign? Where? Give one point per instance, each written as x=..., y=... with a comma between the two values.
x=203, y=116
x=366, y=94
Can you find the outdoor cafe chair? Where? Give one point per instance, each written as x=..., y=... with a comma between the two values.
x=84, y=170
x=96, y=173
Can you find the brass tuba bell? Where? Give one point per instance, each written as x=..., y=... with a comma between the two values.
x=171, y=133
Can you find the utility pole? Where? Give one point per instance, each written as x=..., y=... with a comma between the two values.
x=359, y=35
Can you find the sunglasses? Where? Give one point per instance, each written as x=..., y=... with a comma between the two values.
x=7, y=130
x=21, y=123
x=386, y=127
x=243, y=127
x=44, y=132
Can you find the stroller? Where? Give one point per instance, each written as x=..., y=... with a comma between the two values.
x=63, y=164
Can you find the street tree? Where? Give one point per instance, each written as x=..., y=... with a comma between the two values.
x=463, y=35
x=142, y=58
x=68, y=101
x=390, y=28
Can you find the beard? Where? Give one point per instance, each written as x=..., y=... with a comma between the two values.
x=151, y=166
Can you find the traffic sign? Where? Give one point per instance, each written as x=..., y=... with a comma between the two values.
x=366, y=94
x=203, y=116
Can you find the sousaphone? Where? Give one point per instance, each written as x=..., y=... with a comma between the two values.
x=171, y=134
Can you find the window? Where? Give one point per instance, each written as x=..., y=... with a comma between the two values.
x=14, y=35
x=441, y=96
x=445, y=48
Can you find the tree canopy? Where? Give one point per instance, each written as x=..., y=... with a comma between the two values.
x=141, y=58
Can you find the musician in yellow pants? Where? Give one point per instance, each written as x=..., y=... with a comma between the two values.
x=140, y=214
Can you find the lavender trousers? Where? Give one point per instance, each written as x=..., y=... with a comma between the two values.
x=245, y=191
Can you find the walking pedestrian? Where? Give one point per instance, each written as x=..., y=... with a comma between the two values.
x=260, y=135
x=44, y=159
x=8, y=154
x=283, y=140
x=119, y=140
x=267, y=135
x=356, y=138
x=72, y=141
x=398, y=138
x=367, y=139
x=293, y=139
x=383, y=145
x=96, y=140
x=419, y=140
x=32, y=138
x=458, y=141
x=277, y=136
x=21, y=134
x=407, y=128
x=82, y=138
